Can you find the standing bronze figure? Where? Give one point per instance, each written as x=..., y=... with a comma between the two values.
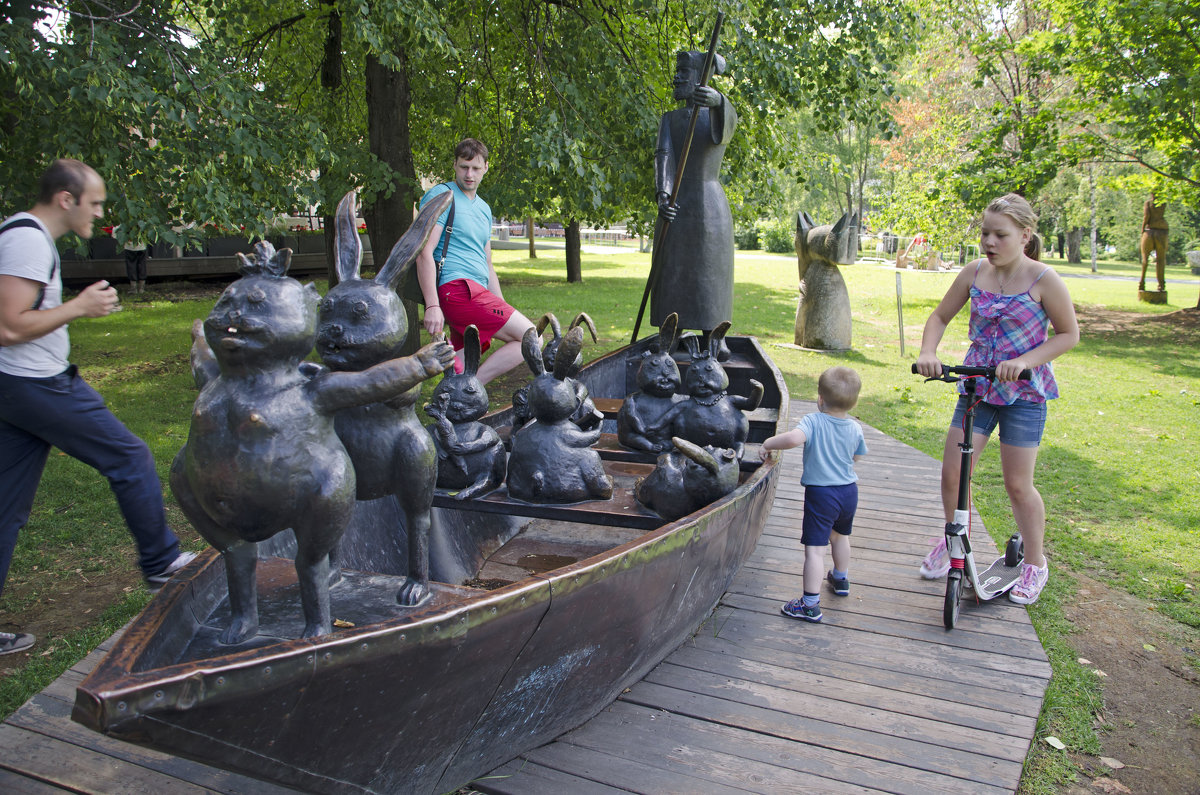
x=694, y=276
x=1154, y=239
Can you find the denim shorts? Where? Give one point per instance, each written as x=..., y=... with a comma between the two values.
x=1021, y=423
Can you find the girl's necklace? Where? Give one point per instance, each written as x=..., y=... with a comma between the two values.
x=1004, y=282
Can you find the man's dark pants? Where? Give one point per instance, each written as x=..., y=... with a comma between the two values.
x=64, y=412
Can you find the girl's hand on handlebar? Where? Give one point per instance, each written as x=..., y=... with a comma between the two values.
x=1010, y=370
x=928, y=365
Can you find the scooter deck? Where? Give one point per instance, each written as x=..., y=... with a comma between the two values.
x=997, y=579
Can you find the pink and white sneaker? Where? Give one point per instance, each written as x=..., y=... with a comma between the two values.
x=937, y=562
x=1030, y=586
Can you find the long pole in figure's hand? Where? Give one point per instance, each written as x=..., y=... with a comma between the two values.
x=660, y=238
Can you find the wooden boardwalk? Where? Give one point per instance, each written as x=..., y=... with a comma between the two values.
x=755, y=702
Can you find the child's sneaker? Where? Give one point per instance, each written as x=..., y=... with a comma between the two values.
x=937, y=562
x=840, y=587
x=797, y=609
x=12, y=642
x=1030, y=586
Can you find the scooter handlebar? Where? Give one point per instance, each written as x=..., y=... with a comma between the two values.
x=963, y=371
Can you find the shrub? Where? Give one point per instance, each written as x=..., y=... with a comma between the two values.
x=746, y=238
x=778, y=237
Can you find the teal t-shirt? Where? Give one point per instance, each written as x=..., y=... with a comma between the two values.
x=829, y=449
x=466, y=255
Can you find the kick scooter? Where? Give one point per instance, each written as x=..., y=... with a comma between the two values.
x=1002, y=575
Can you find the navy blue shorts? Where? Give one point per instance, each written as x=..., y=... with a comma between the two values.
x=828, y=509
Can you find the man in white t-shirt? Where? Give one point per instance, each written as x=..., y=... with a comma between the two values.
x=43, y=401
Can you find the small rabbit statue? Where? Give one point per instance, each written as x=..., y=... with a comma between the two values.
x=362, y=322
x=711, y=417
x=262, y=454
x=552, y=460
x=471, y=456
x=639, y=422
x=586, y=415
x=687, y=478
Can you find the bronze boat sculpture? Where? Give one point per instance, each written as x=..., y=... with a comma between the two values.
x=541, y=614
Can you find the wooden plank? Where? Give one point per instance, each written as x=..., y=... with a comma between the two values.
x=12, y=783
x=814, y=730
x=50, y=717
x=635, y=775
x=523, y=777
x=79, y=769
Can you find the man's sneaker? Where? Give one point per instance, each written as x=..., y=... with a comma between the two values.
x=11, y=642
x=156, y=581
x=840, y=587
x=797, y=609
x=1030, y=586
x=937, y=562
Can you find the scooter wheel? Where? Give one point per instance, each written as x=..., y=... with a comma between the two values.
x=1014, y=551
x=954, y=586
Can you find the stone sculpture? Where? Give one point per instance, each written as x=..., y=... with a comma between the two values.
x=640, y=421
x=552, y=460
x=687, y=478
x=1154, y=240
x=711, y=417
x=694, y=276
x=361, y=323
x=823, y=313
x=471, y=457
x=262, y=453
x=586, y=415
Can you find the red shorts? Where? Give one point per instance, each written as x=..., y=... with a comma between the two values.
x=466, y=303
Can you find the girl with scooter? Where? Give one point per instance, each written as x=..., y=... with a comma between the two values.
x=1015, y=300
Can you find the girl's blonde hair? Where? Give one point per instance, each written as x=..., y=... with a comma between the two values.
x=1019, y=210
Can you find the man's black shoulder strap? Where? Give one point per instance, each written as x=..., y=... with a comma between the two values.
x=29, y=223
x=449, y=226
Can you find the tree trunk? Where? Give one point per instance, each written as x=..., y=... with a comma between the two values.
x=529, y=234
x=1073, y=239
x=388, y=102
x=574, y=260
x=331, y=81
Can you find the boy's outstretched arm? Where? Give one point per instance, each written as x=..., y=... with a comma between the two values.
x=782, y=441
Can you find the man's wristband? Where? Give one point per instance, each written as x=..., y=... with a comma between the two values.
x=433, y=306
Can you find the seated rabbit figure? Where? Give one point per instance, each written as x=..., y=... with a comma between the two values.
x=471, y=456
x=711, y=416
x=552, y=459
x=687, y=478
x=586, y=415
x=262, y=454
x=362, y=322
x=639, y=424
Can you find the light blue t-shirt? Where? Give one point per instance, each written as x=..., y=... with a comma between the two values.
x=467, y=254
x=829, y=449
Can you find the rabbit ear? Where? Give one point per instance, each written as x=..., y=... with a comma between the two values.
x=347, y=254
x=531, y=349
x=471, y=350
x=405, y=252
x=715, y=337
x=668, y=335
x=697, y=454
x=692, y=343
x=583, y=317
x=572, y=344
x=549, y=319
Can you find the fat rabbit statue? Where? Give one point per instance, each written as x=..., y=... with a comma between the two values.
x=586, y=415
x=639, y=423
x=471, y=457
x=687, y=478
x=262, y=454
x=711, y=416
x=360, y=323
x=552, y=460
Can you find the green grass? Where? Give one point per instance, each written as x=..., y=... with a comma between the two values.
x=1118, y=467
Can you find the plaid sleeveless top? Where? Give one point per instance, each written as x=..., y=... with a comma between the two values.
x=1003, y=327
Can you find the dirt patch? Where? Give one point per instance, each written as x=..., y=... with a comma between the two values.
x=1151, y=717
x=1100, y=320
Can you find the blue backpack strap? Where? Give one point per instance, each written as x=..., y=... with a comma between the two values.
x=29, y=223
